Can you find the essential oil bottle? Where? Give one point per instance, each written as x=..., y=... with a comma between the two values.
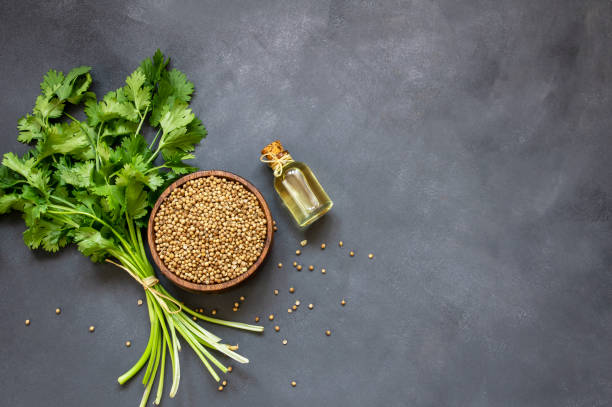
x=296, y=185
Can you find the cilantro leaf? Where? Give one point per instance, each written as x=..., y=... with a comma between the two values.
x=92, y=244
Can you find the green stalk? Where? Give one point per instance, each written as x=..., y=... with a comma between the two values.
x=142, y=118
x=155, y=335
x=160, y=384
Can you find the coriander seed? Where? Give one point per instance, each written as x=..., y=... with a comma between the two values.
x=235, y=309
x=295, y=264
x=293, y=383
x=299, y=267
x=310, y=306
x=92, y=328
x=289, y=310
x=294, y=307
x=275, y=292
x=303, y=243
x=370, y=256
x=274, y=228
x=340, y=243
x=343, y=302
x=291, y=290
x=213, y=312
x=280, y=265
x=58, y=311
x=271, y=317
x=323, y=271
x=128, y=344
x=224, y=383
x=256, y=319
x=297, y=303
x=322, y=246
x=298, y=252
x=229, y=369
x=242, y=298
x=220, y=388
x=210, y=230
x=236, y=305
x=27, y=322
x=311, y=267
x=284, y=341
x=351, y=253
x=328, y=332
x=139, y=302
x=277, y=328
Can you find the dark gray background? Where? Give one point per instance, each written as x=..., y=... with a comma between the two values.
x=465, y=143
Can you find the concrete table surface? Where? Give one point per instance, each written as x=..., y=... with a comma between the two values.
x=466, y=143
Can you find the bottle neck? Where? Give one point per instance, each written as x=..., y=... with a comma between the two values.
x=278, y=163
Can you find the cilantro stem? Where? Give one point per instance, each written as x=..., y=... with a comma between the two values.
x=154, y=139
x=142, y=118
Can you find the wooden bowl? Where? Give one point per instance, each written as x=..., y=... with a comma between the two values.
x=196, y=287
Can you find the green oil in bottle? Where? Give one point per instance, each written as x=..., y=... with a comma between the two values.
x=297, y=186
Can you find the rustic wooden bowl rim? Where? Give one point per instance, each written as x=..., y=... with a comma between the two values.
x=189, y=285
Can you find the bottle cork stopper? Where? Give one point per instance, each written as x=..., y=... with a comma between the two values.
x=273, y=150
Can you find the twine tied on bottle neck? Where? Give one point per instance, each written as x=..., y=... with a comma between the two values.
x=277, y=163
x=148, y=283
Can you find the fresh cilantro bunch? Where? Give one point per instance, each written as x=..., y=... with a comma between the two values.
x=93, y=182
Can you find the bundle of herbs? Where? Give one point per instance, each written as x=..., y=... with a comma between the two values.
x=93, y=182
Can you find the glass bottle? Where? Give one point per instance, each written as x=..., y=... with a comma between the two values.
x=296, y=185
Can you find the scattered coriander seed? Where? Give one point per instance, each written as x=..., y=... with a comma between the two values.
x=294, y=307
x=310, y=306
x=58, y=311
x=304, y=243
x=92, y=328
x=256, y=319
x=277, y=328
x=291, y=290
x=139, y=302
x=195, y=319
x=284, y=341
x=323, y=271
x=293, y=383
x=340, y=243
x=280, y=265
x=213, y=312
x=27, y=322
x=271, y=317
x=299, y=267
x=224, y=383
x=274, y=222
x=295, y=264
x=220, y=388
x=201, y=310
x=236, y=305
x=289, y=310
x=242, y=298
x=328, y=332
x=298, y=252
x=322, y=246
x=275, y=292
x=343, y=302
x=297, y=303
x=274, y=228
x=128, y=344
x=311, y=267
x=351, y=253
x=233, y=309
x=370, y=256
x=229, y=369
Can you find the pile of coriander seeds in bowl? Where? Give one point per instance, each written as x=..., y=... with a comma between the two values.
x=209, y=230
